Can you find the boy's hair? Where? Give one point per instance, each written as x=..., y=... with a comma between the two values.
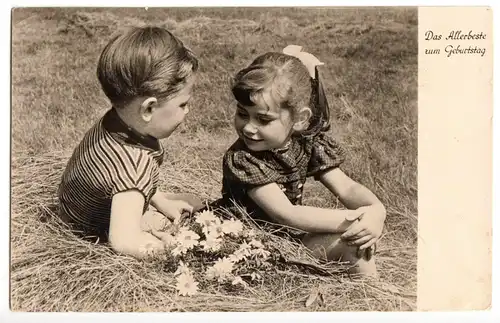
x=144, y=61
x=289, y=84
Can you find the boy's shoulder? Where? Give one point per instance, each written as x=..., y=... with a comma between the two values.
x=101, y=141
x=93, y=135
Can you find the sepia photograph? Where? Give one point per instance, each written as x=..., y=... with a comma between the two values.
x=224, y=159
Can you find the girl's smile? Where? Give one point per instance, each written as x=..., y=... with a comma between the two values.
x=250, y=140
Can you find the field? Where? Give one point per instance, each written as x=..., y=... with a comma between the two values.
x=371, y=80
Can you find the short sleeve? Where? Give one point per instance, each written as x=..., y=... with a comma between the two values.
x=134, y=170
x=326, y=154
x=241, y=166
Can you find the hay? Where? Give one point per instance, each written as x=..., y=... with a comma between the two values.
x=53, y=270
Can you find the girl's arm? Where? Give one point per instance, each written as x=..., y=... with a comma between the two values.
x=365, y=232
x=351, y=193
x=271, y=199
x=125, y=234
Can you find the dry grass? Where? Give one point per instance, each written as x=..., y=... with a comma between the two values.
x=371, y=56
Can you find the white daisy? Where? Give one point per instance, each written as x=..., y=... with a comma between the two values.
x=182, y=269
x=242, y=253
x=206, y=219
x=217, y=228
x=212, y=242
x=232, y=226
x=179, y=250
x=256, y=243
x=187, y=238
x=221, y=269
x=186, y=285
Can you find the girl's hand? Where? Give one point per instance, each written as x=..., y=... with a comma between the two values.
x=368, y=229
x=172, y=209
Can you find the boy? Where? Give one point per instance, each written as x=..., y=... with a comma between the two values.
x=112, y=176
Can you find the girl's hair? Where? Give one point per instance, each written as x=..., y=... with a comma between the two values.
x=145, y=61
x=289, y=84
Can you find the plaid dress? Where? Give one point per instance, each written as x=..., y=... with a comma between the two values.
x=288, y=167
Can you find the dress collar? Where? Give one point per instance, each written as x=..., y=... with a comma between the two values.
x=283, y=149
x=287, y=157
x=126, y=134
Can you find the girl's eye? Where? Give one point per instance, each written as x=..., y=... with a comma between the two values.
x=264, y=120
x=241, y=113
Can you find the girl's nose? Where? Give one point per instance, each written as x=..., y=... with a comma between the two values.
x=249, y=129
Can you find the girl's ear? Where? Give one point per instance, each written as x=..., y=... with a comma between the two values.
x=302, y=119
x=147, y=107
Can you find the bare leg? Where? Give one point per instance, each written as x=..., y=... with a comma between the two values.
x=329, y=246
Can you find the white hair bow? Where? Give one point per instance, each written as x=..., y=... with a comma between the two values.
x=309, y=60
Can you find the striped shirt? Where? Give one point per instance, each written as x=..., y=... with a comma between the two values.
x=111, y=158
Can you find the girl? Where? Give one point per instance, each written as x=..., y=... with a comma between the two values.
x=112, y=176
x=281, y=120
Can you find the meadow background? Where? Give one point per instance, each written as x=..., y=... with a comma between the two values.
x=371, y=80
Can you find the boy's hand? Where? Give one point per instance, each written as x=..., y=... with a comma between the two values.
x=151, y=244
x=368, y=229
x=164, y=237
x=172, y=209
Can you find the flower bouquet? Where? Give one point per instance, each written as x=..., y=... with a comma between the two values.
x=208, y=248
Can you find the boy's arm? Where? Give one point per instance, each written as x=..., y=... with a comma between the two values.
x=172, y=209
x=125, y=234
x=310, y=219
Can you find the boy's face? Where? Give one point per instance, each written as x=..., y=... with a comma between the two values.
x=168, y=115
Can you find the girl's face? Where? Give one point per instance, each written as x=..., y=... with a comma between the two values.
x=168, y=115
x=263, y=127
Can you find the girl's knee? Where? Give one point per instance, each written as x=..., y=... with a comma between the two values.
x=330, y=246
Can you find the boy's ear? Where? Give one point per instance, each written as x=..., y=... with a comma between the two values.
x=147, y=107
x=302, y=119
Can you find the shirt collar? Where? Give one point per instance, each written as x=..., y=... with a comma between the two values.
x=126, y=134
